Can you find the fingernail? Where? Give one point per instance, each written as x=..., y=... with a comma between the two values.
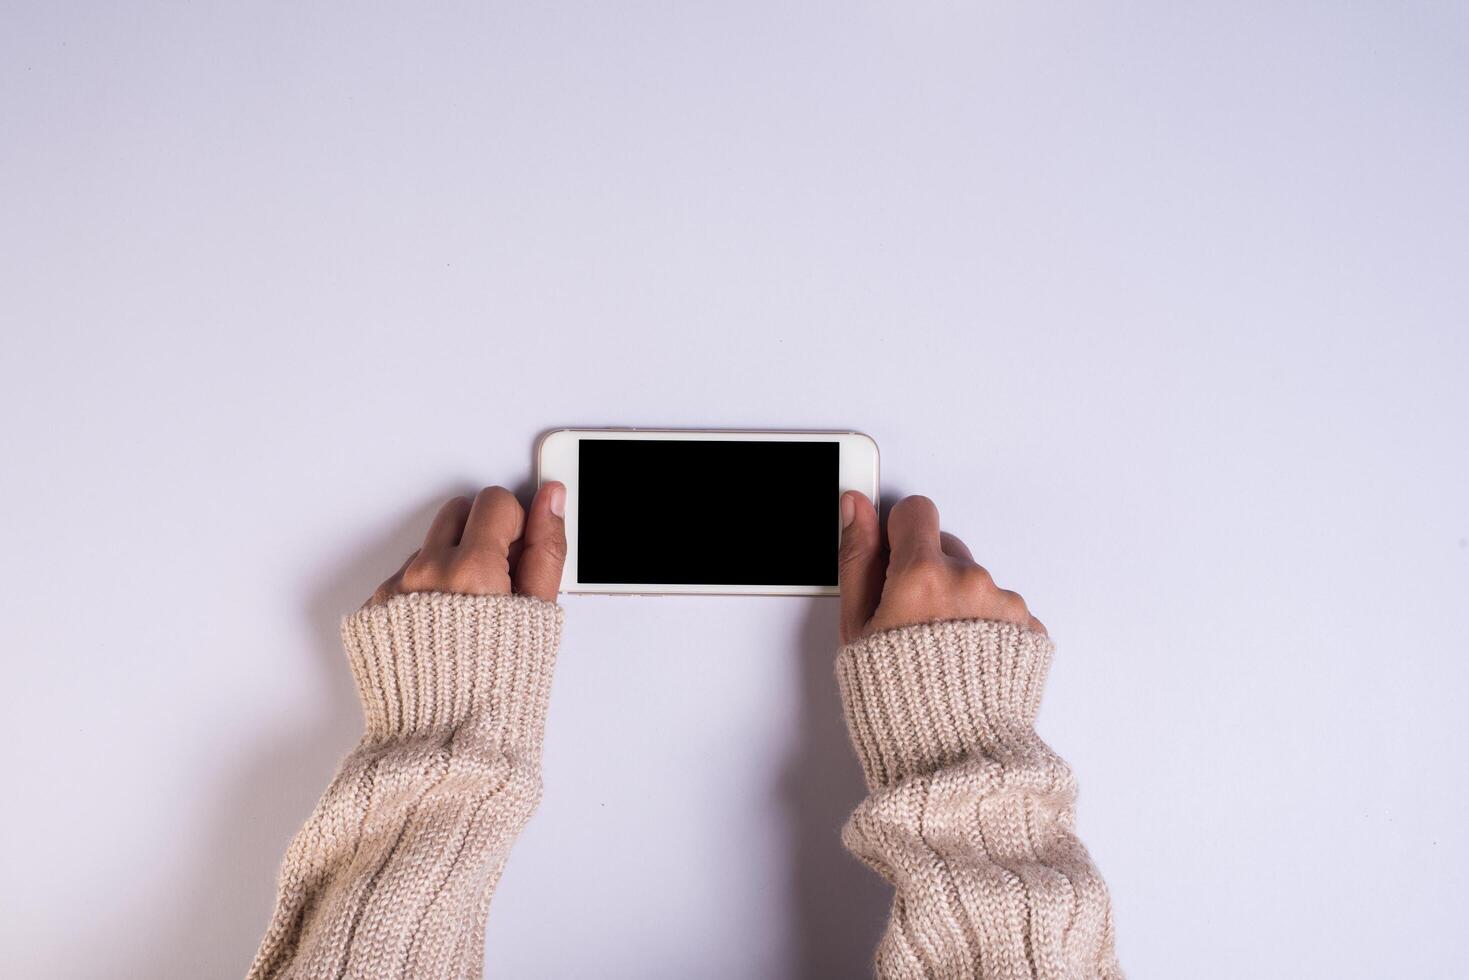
x=849, y=509
x=558, y=501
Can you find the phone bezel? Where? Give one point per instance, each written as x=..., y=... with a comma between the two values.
x=557, y=459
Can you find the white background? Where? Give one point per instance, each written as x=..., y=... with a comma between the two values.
x=1164, y=304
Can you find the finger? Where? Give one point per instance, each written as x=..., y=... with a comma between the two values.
x=543, y=552
x=953, y=547
x=447, y=527
x=913, y=529
x=1038, y=626
x=495, y=520
x=860, y=564
x=392, y=586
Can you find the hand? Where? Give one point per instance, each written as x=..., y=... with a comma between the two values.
x=929, y=575
x=472, y=546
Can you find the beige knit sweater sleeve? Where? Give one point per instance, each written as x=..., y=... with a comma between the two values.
x=970, y=815
x=391, y=876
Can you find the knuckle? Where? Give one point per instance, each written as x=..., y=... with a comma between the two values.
x=425, y=564
x=976, y=578
x=453, y=509
x=850, y=552
x=500, y=499
x=1012, y=604
x=475, y=577
x=419, y=579
x=924, y=576
x=911, y=502
x=423, y=574
x=452, y=512
x=856, y=548
x=552, y=547
x=480, y=561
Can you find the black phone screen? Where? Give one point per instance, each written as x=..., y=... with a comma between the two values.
x=707, y=512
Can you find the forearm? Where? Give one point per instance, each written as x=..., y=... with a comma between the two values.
x=391, y=875
x=970, y=815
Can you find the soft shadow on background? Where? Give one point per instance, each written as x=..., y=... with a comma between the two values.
x=841, y=905
x=223, y=906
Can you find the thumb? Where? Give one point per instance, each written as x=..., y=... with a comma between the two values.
x=861, y=567
x=543, y=553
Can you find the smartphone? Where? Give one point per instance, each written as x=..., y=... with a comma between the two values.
x=704, y=511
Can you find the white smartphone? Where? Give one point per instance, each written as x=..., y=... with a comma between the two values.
x=704, y=512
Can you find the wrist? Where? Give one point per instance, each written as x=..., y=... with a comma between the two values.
x=925, y=696
x=434, y=662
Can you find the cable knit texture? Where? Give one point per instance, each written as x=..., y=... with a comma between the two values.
x=969, y=814
x=392, y=874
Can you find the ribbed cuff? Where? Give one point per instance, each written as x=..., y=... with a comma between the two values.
x=918, y=698
x=429, y=662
